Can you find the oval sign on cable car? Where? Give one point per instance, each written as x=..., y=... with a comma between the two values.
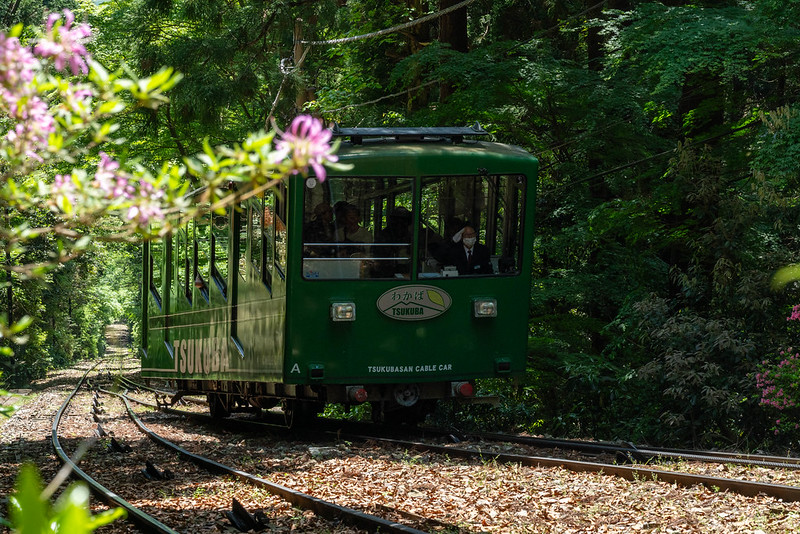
x=414, y=303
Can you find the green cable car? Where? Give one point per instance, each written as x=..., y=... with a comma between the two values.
x=397, y=282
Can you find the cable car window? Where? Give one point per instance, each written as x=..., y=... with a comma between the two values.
x=202, y=247
x=480, y=219
x=269, y=232
x=182, y=257
x=280, y=213
x=219, y=250
x=256, y=229
x=267, y=208
x=156, y=262
x=241, y=217
x=358, y=227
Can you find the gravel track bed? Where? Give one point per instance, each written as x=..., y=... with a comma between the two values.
x=481, y=496
x=475, y=496
x=195, y=500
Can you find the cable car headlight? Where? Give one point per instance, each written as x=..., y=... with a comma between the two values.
x=343, y=311
x=485, y=308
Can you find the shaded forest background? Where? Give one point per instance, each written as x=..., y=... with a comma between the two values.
x=669, y=140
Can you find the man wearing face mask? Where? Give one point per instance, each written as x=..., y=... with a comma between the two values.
x=469, y=256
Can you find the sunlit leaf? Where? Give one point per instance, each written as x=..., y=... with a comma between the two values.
x=28, y=510
x=785, y=275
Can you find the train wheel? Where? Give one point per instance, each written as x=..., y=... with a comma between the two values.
x=218, y=405
x=298, y=413
x=391, y=413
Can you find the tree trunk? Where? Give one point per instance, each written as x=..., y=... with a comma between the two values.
x=452, y=31
x=12, y=10
x=9, y=291
x=299, y=49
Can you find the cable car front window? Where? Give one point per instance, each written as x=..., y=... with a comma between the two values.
x=479, y=219
x=358, y=227
x=363, y=227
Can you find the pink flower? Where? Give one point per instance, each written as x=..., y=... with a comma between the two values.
x=63, y=186
x=17, y=64
x=35, y=125
x=112, y=183
x=147, y=205
x=63, y=182
x=308, y=144
x=64, y=43
x=77, y=100
x=144, y=212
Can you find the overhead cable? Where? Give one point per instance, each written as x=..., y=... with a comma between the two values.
x=654, y=156
x=393, y=29
x=403, y=92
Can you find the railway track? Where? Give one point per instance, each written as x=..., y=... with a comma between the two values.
x=478, y=446
x=525, y=498
x=624, y=452
x=238, y=515
x=744, y=487
x=631, y=453
x=135, y=515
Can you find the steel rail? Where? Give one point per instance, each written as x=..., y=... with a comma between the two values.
x=644, y=454
x=135, y=515
x=322, y=508
x=636, y=453
x=228, y=422
x=742, y=487
x=732, y=457
x=135, y=385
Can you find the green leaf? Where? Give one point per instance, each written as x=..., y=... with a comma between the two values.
x=72, y=510
x=107, y=517
x=21, y=325
x=28, y=509
x=785, y=275
x=111, y=106
x=435, y=297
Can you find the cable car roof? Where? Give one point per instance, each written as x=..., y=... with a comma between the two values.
x=455, y=134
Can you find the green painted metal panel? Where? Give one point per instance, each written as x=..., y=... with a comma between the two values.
x=279, y=333
x=376, y=348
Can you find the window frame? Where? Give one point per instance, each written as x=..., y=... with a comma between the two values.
x=488, y=203
x=214, y=273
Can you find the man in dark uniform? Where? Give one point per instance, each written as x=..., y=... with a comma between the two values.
x=320, y=229
x=469, y=256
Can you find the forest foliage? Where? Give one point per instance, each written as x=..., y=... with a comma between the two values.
x=668, y=135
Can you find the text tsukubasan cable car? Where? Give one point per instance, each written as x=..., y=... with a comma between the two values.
x=397, y=282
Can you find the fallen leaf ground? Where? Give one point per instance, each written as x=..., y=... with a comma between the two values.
x=469, y=496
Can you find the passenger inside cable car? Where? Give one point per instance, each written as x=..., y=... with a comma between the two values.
x=350, y=229
x=376, y=217
x=320, y=230
x=394, y=246
x=467, y=255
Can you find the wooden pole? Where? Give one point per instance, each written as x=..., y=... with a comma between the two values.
x=299, y=49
